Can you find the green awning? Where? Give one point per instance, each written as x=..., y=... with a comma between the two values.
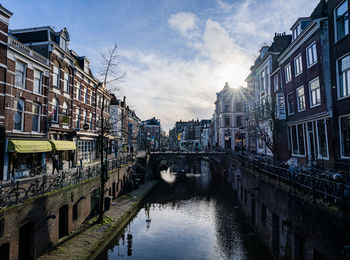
x=63, y=145
x=29, y=146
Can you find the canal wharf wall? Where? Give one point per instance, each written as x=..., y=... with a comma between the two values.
x=44, y=220
x=292, y=225
x=90, y=242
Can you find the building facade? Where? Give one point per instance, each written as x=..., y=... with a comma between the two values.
x=230, y=117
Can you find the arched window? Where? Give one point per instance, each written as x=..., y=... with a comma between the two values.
x=65, y=109
x=18, y=118
x=55, y=110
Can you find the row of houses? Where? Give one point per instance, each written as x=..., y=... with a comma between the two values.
x=300, y=85
x=51, y=103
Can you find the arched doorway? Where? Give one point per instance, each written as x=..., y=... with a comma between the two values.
x=63, y=221
x=95, y=201
x=26, y=242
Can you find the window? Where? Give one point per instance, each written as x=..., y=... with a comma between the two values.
x=322, y=138
x=18, y=118
x=311, y=55
x=238, y=107
x=345, y=136
x=65, y=117
x=55, y=110
x=301, y=99
x=85, y=117
x=296, y=31
x=227, y=108
x=37, y=81
x=227, y=121
x=77, y=122
x=79, y=92
x=263, y=81
x=36, y=117
x=288, y=73
x=297, y=139
x=290, y=101
x=63, y=43
x=315, y=92
x=66, y=81
x=298, y=65
x=342, y=20
x=86, y=96
x=239, y=121
x=344, y=76
x=275, y=83
x=91, y=121
x=56, y=77
x=65, y=109
x=20, y=74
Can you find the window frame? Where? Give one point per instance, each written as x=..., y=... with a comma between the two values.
x=38, y=115
x=297, y=139
x=40, y=81
x=310, y=92
x=287, y=68
x=338, y=77
x=290, y=113
x=56, y=112
x=24, y=73
x=299, y=56
x=341, y=137
x=65, y=81
x=56, y=83
x=22, y=113
x=298, y=102
x=319, y=156
x=336, y=22
x=308, y=64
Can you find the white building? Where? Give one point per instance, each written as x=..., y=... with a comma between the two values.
x=230, y=117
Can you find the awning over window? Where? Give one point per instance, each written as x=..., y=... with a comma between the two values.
x=63, y=145
x=29, y=146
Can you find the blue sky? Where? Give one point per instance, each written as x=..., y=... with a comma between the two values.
x=177, y=53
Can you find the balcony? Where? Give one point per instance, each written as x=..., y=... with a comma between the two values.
x=27, y=51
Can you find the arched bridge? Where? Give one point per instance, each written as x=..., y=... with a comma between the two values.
x=217, y=159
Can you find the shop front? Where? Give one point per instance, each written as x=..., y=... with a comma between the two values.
x=24, y=156
x=65, y=150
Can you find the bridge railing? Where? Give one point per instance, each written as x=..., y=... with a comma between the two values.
x=309, y=183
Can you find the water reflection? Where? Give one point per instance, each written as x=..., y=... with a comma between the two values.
x=189, y=216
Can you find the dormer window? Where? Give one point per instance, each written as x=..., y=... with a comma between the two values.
x=63, y=43
x=296, y=31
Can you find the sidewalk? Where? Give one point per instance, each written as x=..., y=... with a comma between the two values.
x=89, y=243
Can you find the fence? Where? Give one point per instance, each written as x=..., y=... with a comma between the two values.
x=14, y=192
x=307, y=183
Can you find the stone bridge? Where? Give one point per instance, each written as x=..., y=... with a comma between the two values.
x=217, y=160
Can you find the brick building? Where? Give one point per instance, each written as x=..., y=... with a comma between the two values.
x=339, y=43
x=305, y=75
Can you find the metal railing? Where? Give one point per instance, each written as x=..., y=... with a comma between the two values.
x=299, y=181
x=27, y=51
x=17, y=191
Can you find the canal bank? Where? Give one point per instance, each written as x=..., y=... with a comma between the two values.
x=90, y=241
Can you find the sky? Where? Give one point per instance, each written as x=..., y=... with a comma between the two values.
x=176, y=53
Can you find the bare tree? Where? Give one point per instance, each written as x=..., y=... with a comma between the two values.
x=263, y=123
x=109, y=73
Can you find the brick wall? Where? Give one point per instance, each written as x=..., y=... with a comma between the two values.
x=43, y=211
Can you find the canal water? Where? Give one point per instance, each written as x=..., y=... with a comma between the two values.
x=188, y=216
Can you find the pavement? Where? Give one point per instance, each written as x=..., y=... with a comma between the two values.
x=89, y=242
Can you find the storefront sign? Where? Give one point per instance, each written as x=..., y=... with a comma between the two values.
x=281, y=109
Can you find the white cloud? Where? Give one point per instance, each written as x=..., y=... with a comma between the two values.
x=183, y=22
x=173, y=89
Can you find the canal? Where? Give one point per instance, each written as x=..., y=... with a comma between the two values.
x=188, y=216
